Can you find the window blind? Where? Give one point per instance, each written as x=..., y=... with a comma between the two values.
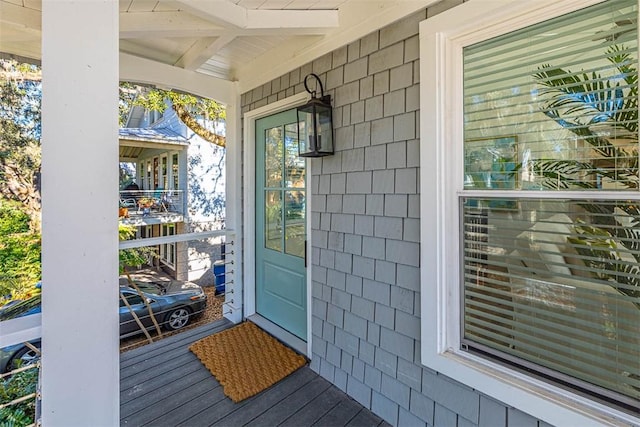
x=552, y=285
x=557, y=284
x=567, y=89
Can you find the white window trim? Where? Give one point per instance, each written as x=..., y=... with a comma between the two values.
x=441, y=40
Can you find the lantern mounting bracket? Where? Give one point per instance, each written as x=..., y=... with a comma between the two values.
x=323, y=97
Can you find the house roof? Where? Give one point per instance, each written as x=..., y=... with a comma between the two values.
x=166, y=136
x=245, y=41
x=133, y=141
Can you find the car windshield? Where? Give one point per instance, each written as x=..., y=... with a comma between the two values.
x=22, y=308
x=151, y=287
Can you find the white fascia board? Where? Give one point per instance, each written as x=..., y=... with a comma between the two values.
x=146, y=143
x=357, y=19
x=292, y=19
x=22, y=329
x=26, y=51
x=165, y=24
x=21, y=32
x=218, y=11
x=22, y=16
x=225, y=12
x=140, y=70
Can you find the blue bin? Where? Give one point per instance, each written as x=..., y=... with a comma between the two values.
x=218, y=272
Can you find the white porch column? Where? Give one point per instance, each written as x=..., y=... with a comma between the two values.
x=80, y=366
x=233, y=309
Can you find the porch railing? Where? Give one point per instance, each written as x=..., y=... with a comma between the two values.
x=205, y=258
x=20, y=385
x=135, y=203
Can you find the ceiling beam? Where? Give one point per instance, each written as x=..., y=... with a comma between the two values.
x=140, y=70
x=223, y=12
x=202, y=50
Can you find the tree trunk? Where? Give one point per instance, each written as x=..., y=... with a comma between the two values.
x=23, y=189
x=146, y=303
x=196, y=127
x=136, y=318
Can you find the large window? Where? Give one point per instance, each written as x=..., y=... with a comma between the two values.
x=553, y=283
x=541, y=163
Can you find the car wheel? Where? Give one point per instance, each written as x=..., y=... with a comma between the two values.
x=177, y=319
x=24, y=357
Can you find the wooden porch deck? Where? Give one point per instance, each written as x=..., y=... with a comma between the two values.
x=164, y=384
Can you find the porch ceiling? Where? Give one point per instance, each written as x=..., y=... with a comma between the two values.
x=232, y=40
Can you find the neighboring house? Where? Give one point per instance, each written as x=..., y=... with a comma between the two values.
x=180, y=188
x=428, y=268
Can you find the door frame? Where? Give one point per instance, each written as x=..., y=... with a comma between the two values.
x=249, y=221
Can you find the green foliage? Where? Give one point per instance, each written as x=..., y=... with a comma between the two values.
x=582, y=103
x=132, y=257
x=12, y=219
x=127, y=174
x=20, y=266
x=196, y=113
x=14, y=387
x=20, y=121
x=155, y=100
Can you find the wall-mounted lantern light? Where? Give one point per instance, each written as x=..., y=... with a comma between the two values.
x=315, y=125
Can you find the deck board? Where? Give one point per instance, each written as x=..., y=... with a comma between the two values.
x=172, y=378
x=164, y=384
x=278, y=413
x=315, y=409
x=227, y=413
x=340, y=414
x=178, y=343
x=157, y=391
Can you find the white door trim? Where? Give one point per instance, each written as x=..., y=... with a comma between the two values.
x=249, y=205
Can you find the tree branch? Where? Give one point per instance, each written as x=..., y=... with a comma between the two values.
x=196, y=127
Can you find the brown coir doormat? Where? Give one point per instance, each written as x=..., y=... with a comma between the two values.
x=246, y=360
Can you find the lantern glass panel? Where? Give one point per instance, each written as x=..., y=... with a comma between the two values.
x=305, y=126
x=315, y=129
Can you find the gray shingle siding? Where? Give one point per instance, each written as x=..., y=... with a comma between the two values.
x=365, y=235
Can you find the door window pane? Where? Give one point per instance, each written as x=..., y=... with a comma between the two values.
x=273, y=220
x=273, y=157
x=294, y=222
x=295, y=166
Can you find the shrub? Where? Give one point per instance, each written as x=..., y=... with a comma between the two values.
x=14, y=387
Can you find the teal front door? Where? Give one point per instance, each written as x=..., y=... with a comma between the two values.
x=281, y=284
